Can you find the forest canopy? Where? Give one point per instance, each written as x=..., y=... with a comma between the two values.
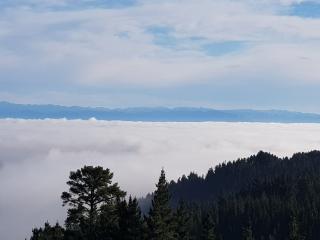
x=259, y=197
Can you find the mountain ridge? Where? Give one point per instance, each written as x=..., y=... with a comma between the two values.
x=154, y=114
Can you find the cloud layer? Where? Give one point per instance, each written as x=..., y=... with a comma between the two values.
x=36, y=157
x=55, y=48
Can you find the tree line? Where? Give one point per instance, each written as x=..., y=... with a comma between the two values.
x=262, y=197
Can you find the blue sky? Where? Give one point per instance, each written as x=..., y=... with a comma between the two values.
x=209, y=53
x=306, y=9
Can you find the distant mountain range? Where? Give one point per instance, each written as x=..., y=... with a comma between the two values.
x=157, y=114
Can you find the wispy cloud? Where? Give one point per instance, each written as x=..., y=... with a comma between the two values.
x=66, y=4
x=51, y=46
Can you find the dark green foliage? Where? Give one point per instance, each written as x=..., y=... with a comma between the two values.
x=258, y=198
x=247, y=233
x=135, y=229
x=232, y=177
x=107, y=226
x=182, y=222
x=294, y=232
x=48, y=233
x=160, y=219
x=208, y=231
x=264, y=197
x=92, y=199
x=130, y=221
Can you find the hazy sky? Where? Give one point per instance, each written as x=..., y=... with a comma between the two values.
x=37, y=156
x=216, y=53
x=261, y=54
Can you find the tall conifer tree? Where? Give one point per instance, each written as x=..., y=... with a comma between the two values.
x=91, y=194
x=130, y=220
x=182, y=222
x=160, y=220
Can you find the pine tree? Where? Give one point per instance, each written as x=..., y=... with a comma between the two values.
x=108, y=222
x=182, y=222
x=90, y=194
x=160, y=220
x=130, y=221
x=208, y=228
x=122, y=213
x=134, y=230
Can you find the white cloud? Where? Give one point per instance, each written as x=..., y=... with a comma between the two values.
x=85, y=47
x=37, y=155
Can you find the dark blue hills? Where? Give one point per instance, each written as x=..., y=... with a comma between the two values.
x=156, y=114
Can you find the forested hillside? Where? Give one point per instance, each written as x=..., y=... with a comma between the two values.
x=238, y=175
x=260, y=197
x=231, y=177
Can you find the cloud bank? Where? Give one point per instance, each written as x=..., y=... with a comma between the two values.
x=68, y=51
x=37, y=155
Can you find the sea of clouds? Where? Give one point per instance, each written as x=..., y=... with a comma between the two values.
x=36, y=157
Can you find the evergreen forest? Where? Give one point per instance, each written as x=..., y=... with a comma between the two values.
x=262, y=197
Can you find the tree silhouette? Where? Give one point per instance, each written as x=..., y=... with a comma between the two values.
x=182, y=222
x=90, y=191
x=160, y=220
x=260, y=197
x=48, y=232
x=130, y=221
